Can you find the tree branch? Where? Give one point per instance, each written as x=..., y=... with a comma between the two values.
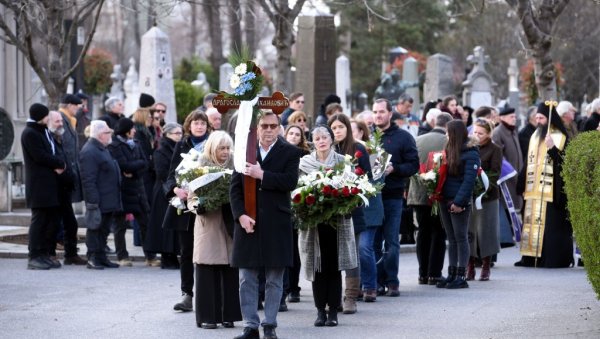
x=268, y=10
x=559, y=7
x=297, y=8
x=87, y=42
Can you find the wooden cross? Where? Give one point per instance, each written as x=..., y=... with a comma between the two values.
x=276, y=103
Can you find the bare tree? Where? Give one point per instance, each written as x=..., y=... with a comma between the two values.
x=235, y=26
x=250, y=26
x=42, y=37
x=538, y=24
x=282, y=17
x=211, y=11
x=193, y=29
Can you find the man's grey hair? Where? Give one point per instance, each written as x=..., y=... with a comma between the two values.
x=596, y=105
x=443, y=119
x=531, y=111
x=97, y=127
x=404, y=97
x=110, y=103
x=432, y=115
x=363, y=115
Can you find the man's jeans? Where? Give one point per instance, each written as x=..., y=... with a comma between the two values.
x=249, y=296
x=387, y=266
x=368, y=269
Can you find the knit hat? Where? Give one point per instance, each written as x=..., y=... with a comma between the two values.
x=70, y=99
x=146, y=100
x=123, y=126
x=168, y=127
x=82, y=96
x=38, y=111
x=507, y=110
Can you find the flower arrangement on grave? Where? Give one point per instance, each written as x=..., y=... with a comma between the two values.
x=325, y=194
x=432, y=175
x=210, y=184
x=378, y=157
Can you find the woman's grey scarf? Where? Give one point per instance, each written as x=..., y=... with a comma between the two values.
x=308, y=241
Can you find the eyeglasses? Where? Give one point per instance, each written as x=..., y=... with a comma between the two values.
x=299, y=102
x=269, y=126
x=160, y=110
x=301, y=120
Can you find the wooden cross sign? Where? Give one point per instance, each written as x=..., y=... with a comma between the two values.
x=276, y=103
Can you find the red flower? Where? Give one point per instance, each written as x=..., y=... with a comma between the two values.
x=358, y=154
x=345, y=191
x=335, y=193
x=359, y=171
x=354, y=191
x=326, y=190
x=310, y=200
x=297, y=198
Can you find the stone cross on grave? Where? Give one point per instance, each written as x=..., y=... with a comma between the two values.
x=276, y=103
x=478, y=59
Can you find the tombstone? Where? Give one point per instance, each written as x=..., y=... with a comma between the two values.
x=410, y=74
x=201, y=83
x=478, y=89
x=132, y=89
x=514, y=99
x=362, y=102
x=315, y=67
x=7, y=136
x=225, y=71
x=439, y=81
x=116, y=89
x=342, y=83
x=156, y=72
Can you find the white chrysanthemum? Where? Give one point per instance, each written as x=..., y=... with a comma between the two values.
x=240, y=69
x=234, y=81
x=437, y=157
x=429, y=176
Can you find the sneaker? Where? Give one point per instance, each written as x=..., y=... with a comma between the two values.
x=125, y=262
x=153, y=262
x=185, y=305
x=37, y=264
x=74, y=260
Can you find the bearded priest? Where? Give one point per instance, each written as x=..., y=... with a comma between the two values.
x=547, y=237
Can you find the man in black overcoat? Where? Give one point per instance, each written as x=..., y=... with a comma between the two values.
x=264, y=243
x=42, y=167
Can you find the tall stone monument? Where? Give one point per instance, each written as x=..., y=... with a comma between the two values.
x=439, y=80
x=478, y=89
x=132, y=88
x=116, y=89
x=410, y=74
x=225, y=72
x=342, y=83
x=156, y=72
x=514, y=99
x=315, y=70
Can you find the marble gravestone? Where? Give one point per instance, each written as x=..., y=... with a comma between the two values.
x=116, y=89
x=132, y=89
x=410, y=74
x=225, y=72
x=439, y=80
x=156, y=72
x=342, y=83
x=315, y=69
x=478, y=89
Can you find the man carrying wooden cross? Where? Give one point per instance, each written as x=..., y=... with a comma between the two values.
x=264, y=242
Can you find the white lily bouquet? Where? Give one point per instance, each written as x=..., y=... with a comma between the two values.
x=188, y=169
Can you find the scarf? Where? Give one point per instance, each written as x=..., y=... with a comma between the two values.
x=310, y=163
x=198, y=142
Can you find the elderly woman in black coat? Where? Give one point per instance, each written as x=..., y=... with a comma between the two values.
x=196, y=130
x=159, y=239
x=125, y=150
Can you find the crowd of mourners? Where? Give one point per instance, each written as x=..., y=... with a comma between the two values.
x=122, y=169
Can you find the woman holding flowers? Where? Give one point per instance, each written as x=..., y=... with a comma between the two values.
x=325, y=250
x=484, y=226
x=217, y=293
x=196, y=130
x=345, y=144
x=463, y=161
